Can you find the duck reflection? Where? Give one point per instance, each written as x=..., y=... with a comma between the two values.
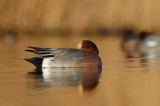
x=50, y=77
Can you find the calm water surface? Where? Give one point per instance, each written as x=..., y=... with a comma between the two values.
x=122, y=82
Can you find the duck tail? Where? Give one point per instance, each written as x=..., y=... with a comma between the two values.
x=36, y=61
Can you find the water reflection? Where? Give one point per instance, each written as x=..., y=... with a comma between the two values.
x=53, y=77
x=123, y=83
x=9, y=37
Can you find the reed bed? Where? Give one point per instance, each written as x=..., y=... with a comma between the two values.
x=50, y=16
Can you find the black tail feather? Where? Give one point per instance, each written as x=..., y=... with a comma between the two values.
x=31, y=51
x=36, y=61
x=39, y=52
x=39, y=49
x=34, y=47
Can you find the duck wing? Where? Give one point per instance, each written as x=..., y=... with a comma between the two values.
x=50, y=52
x=57, y=53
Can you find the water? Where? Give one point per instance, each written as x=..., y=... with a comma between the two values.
x=123, y=81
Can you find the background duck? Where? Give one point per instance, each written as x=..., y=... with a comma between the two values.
x=142, y=45
x=150, y=46
x=129, y=41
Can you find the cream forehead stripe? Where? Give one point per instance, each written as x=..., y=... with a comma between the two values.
x=80, y=45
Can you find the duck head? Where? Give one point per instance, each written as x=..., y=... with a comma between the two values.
x=143, y=35
x=88, y=46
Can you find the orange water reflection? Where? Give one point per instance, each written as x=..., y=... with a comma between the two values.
x=123, y=81
x=50, y=77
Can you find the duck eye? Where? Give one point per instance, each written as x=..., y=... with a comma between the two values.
x=85, y=46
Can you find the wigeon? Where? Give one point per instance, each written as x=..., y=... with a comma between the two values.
x=142, y=43
x=150, y=46
x=129, y=41
x=86, y=55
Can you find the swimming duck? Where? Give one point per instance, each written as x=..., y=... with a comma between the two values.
x=143, y=44
x=129, y=42
x=86, y=55
x=150, y=46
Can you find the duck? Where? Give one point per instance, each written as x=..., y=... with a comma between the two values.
x=142, y=44
x=150, y=46
x=129, y=41
x=85, y=55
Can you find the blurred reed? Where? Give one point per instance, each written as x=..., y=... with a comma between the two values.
x=96, y=16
